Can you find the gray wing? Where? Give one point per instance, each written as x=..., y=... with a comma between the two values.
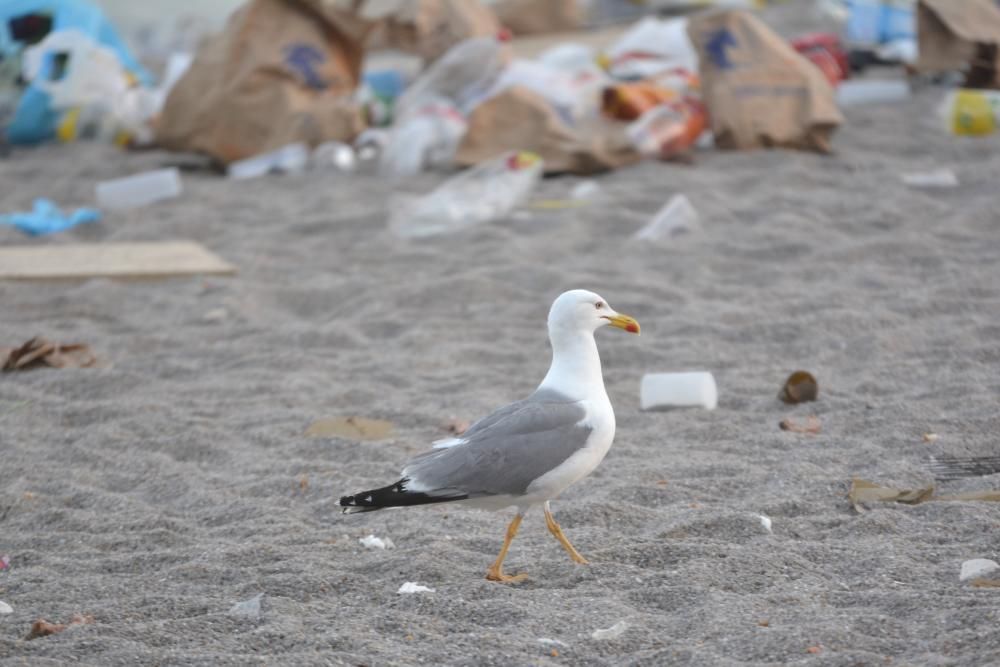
x=506, y=451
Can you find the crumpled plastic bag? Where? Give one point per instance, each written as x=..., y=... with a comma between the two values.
x=47, y=218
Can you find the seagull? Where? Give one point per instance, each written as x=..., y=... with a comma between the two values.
x=526, y=453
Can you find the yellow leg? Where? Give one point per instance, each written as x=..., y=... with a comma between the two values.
x=563, y=540
x=495, y=573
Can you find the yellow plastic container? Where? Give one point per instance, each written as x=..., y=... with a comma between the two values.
x=972, y=113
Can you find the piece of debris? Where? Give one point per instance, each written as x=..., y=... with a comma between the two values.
x=676, y=217
x=764, y=623
x=985, y=583
x=676, y=390
x=5, y=608
x=814, y=649
x=811, y=425
x=372, y=542
x=350, y=428
x=545, y=641
x=249, y=609
x=139, y=189
x=4, y=562
x=977, y=568
x=930, y=437
x=456, y=426
x=153, y=259
x=413, y=587
x=862, y=491
x=38, y=352
x=939, y=178
x=765, y=521
x=614, y=632
x=800, y=387
x=304, y=483
x=46, y=218
x=42, y=628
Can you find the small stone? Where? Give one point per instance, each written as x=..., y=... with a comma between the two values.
x=5, y=608
x=249, y=609
x=765, y=521
x=216, y=315
x=413, y=587
x=977, y=568
x=545, y=641
x=614, y=632
x=930, y=437
x=800, y=387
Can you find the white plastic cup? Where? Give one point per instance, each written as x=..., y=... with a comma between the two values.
x=678, y=390
x=140, y=189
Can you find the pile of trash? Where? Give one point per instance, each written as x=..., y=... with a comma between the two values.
x=415, y=85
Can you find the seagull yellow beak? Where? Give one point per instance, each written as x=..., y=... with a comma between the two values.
x=623, y=322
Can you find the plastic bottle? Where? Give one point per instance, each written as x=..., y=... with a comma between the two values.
x=486, y=192
x=676, y=217
x=423, y=138
x=140, y=189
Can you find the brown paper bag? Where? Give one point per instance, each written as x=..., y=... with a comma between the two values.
x=960, y=35
x=520, y=119
x=530, y=17
x=281, y=72
x=427, y=28
x=759, y=91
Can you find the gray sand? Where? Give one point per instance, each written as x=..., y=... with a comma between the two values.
x=157, y=492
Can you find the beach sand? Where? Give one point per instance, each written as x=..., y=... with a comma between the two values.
x=156, y=492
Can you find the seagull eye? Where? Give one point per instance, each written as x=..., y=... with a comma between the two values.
x=599, y=305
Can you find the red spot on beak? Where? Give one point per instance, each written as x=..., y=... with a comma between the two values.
x=632, y=328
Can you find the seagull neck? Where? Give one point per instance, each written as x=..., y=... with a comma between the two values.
x=576, y=365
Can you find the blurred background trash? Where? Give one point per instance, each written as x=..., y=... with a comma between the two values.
x=872, y=91
x=47, y=218
x=676, y=217
x=971, y=113
x=290, y=159
x=678, y=390
x=486, y=192
x=140, y=189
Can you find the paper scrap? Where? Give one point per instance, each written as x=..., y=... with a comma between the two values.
x=412, y=587
x=614, y=632
x=372, y=542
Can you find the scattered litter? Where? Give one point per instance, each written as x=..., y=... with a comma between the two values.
x=676, y=217
x=669, y=131
x=985, y=583
x=249, y=609
x=139, y=190
x=977, y=568
x=747, y=71
x=670, y=390
x=857, y=93
x=814, y=649
x=800, y=387
x=335, y=154
x=765, y=521
x=614, y=632
x=290, y=159
x=216, y=315
x=959, y=36
x=39, y=352
x=484, y=193
x=46, y=218
x=939, y=178
x=372, y=542
x=811, y=425
x=5, y=608
x=155, y=259
x=4, y=562
x=350, y=428
x=42, y=628
x=545, y=641
x=412, y=587
x=930, y=437
x=958, y=467
x=971, y=113
x=585, y=190
x=863, y=491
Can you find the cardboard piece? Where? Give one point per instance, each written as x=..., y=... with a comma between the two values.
x=281, y=72
x=530, y=17
x=961, y=35
x=110, y=260
x=521, y=120
x=759, y=91
x=427, y=28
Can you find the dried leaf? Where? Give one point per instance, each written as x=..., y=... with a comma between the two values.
x=42, y=628
x=304, y=483
x=862, y=491
x=811, y=425
x=800, y=387
x=39, y=352
x=350, y=428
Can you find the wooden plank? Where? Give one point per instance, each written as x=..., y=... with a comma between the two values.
x=159, y=259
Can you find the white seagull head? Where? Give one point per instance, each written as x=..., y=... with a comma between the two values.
x=583, y=311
